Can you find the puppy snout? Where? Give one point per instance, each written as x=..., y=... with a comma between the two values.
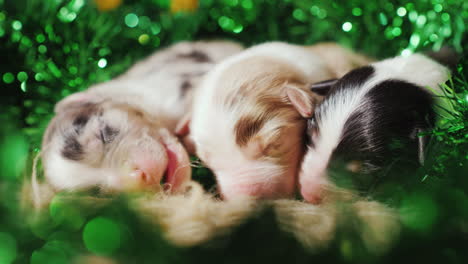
x=148, y=169
x=147, y=172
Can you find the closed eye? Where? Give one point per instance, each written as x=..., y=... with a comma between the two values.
x=311, y=132
x=107, y=134
x=101, y=136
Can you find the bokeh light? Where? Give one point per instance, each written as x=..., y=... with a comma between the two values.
x=102, y=236
x=102, y=63
x=406, y=52
x=8, y=77
x=8, y=248
x=143, y=39
x=106, y=5
x=415, y=39
x=22, y=76
x=51, y=253
x=438, y=8
x=131, y=20
x=357, y=11
x=347, y=26
x=55, y=48
x=66, y=15
x=17, y=25
x=401, y=11
x=419, y=212
x=13, y=155
x=65, y=213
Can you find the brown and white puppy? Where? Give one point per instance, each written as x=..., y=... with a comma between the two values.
x=118, y=135
x=247, y=120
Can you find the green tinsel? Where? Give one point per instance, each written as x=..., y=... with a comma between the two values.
x=50, y=49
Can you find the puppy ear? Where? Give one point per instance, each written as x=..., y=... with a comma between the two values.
x=322, y=88
x=75, y=100
x=183, y=126
x=182, y=131
x=302, y=99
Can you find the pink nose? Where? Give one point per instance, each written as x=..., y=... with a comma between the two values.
x=313, y=192
x=142, y=177
x=148, y=172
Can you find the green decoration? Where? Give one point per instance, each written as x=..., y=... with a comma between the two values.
x=102, y=236
x=8, y=248
x=50, y=49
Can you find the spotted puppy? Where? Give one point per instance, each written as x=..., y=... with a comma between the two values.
x=119, y=134
x=372, y=115
x=247, y=122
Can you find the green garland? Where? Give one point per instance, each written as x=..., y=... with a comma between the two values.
x=50, y=49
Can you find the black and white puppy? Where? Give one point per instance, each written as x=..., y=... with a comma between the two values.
x=372, y=114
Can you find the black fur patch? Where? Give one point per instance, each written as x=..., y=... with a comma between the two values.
x=323, y=87
x=80, y=122
x=310, y=131
x=108, y=134
x=385, y=126
x=196, y=56
x=73, y=149
x=353, y=79
x=185, y=87
x=83, y=115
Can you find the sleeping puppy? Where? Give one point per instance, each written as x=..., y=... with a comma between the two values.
x=248, y=116
x=118, y=135
x=372, y=115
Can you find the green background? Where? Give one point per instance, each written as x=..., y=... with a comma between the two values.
x=52, y=48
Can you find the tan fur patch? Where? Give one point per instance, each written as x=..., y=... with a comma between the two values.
x=261, y=91
x=246, y=127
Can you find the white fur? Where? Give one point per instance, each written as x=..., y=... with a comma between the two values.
x=152, y=86
x=67, y=174
x=206, y=107
x=213, y=124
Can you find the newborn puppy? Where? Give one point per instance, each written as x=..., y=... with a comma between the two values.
x=373, y=114
x=248, y=117
x=118, y=135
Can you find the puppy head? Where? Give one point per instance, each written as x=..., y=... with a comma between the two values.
x=368, y=120
x=115, y=146
x=249, y=129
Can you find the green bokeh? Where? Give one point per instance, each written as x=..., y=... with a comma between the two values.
x=8, y=248
x=131, y=20
x=102, y=236
x=51, y=253
x=65, y=213
x=13, y=155
x=51, y=49
x=8, y=77
x=419, y=212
